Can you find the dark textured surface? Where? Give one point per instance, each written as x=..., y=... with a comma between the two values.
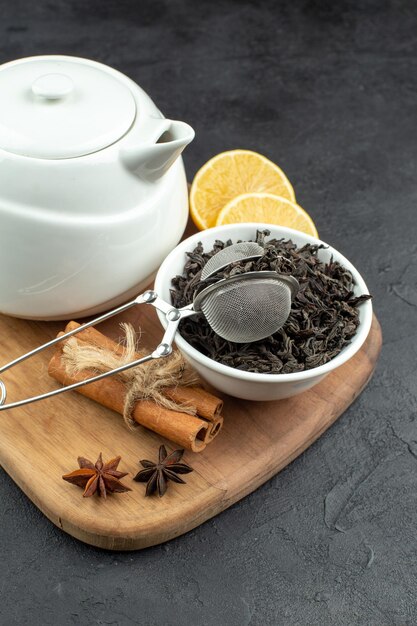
x=328, y=90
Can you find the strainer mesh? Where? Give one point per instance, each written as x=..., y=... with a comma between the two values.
x=230, y=254
x=248, y=310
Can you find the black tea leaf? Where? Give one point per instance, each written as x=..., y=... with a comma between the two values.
x=324, y=315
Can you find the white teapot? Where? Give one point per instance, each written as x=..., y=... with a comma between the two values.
x=93, y=194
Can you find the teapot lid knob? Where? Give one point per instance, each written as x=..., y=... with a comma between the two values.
x=53, y=86
x=59, y=107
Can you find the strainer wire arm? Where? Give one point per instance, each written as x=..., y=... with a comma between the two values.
x=163, y=349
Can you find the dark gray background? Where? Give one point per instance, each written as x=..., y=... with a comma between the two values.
x=327, y=90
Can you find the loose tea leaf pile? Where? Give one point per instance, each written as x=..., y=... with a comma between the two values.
x=323, y=319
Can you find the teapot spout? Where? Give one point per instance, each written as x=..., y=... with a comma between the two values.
x=151, y=161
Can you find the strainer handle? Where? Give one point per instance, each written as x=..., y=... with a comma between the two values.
x=164, y=348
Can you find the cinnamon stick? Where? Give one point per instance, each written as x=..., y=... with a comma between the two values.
x=207, y=405
x=186, y=430
x=183, y=429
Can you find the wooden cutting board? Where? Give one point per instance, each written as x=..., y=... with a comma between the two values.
x=40, y=442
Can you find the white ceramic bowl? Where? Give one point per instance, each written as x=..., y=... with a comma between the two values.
x=248, y=385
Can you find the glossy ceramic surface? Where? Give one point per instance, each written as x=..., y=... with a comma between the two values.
x=88, y=213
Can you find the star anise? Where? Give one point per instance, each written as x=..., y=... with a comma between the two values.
x=98, y=477
x=158, y=474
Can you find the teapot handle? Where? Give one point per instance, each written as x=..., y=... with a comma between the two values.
x=152, y=160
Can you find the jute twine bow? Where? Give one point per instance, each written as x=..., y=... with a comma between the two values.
x=145, y=382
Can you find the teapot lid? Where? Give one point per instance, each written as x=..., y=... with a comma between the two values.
x=58, y=107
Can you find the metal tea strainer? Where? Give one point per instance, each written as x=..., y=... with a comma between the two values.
x=243, y=308
x=243, y=251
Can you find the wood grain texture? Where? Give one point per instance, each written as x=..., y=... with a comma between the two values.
x=41, y=442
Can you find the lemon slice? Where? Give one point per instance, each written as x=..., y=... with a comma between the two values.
x=267, y=208
x=230, y=174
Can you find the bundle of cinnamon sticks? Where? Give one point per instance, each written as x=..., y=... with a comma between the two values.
x=193, y=432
